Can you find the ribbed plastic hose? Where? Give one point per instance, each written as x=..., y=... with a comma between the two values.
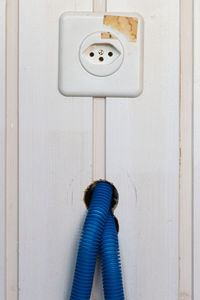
x=99, y=235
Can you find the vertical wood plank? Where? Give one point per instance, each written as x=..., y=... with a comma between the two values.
x=11, y=177
x=196, y=150
x=2, y=147
x=55, y=157
x=143, y=158
x=186, y=153
x=99, y=138
x=99, y=5
x=99, y=121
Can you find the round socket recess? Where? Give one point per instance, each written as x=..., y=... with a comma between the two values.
x=101, y=54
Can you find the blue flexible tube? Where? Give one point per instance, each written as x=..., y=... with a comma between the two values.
x=99, y=235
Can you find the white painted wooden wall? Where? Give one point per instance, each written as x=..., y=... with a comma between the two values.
x=142, y=158
x=2, y=149
x=55, y=155
x=196, y=150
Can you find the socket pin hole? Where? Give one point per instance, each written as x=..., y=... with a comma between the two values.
x=110, y=53
x=91, y=54
x=101, y=58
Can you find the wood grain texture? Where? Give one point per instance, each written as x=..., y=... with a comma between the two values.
x=99, y=139
x=186, y=153
x=99, y=5
x=55, y=157
x=2, y=147
x=143, y=158
x=196, y=150
x=11, y=150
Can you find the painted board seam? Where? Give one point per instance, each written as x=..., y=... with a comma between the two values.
x=11, y=150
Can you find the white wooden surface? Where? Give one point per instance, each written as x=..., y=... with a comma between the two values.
x=2, y=146
x=142, y=158
x=99, y=139
x=186, y=153
x=55, y=158
x=11, y=151
x=196, y=150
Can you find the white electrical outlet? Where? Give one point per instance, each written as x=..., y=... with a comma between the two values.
x=101, y=54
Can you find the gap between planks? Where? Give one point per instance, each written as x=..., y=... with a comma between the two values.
x=11, y=150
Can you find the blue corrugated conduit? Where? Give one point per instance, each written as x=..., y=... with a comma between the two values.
x=99, y=236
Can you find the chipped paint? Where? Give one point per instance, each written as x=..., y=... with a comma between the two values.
x=107, y=35
x=126, y=25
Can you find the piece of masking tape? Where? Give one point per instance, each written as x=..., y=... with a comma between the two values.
x=126, y=25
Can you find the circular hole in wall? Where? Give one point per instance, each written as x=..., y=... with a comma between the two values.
x=115, y=198
x=91, y=54
x=101, y=58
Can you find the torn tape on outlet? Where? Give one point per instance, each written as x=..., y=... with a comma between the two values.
x=108, y=35
x=126, y=25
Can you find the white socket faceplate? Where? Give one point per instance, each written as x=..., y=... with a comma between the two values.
x=101, y=54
